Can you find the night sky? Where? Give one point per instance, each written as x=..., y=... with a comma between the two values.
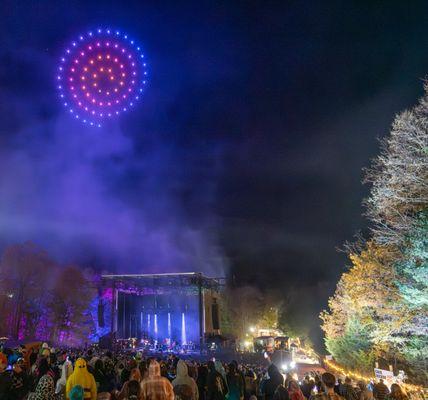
x=244, y=157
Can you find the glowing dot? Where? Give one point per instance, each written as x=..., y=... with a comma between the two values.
x=112, y=78
x=129, y=56
x=82, y=53
x=123, y=74
x=99, y=30
x=123, y=50
x=134, y=73
x=101, y=69
x=109, y=114
x=93, y=100
x=98, y=44
x=93, y=112
x=82, y=78
x=91, y=123
x=68, y=51
x=145, y=73
x=109, y=104
x=107, y=44
x=87, y=94
x=63, y=59
x=81, y=37
x=136, y=97
x=91, y=61
x=116, y=46
x=101, y=103
x=108, y=31
x=131, y=104
x=121, y=65
x=100, y=56
x=90, y=33
x=94, y=75
x=90, y=47
x=117, y=112
x=132, y=42
x=121, y=83
x=83, y=87
x=115, y=89
x=94, y=84
x=144, y=64
x=74, y=43
x=126, y=37
x=109, y=70
x=71, y=79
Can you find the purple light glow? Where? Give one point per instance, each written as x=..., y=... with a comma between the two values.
x=104, y=78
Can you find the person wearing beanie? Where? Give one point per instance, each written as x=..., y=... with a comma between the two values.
x=82, y=377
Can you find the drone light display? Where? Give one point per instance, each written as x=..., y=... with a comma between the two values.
x=101, y=75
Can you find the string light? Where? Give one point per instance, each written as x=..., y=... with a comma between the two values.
x=352, y=374
x=98, y=60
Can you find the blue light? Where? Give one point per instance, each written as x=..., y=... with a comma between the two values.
x=183, y=330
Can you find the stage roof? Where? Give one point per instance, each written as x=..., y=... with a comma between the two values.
x=167, y=280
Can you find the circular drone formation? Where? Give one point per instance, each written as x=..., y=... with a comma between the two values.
x=101, y=75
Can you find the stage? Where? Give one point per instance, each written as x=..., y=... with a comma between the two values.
x=165, y=311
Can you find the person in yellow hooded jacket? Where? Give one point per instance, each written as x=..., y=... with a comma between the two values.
x=81, y=376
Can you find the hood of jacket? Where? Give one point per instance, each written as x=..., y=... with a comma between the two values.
x=182, y=369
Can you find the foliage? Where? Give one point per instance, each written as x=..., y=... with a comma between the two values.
x=399, y=176
x=40, y=299
x=246, y=306
x=354, y=348
x=380, y=307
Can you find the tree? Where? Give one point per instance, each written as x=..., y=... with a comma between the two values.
x=399, y=176
x=70, y=300
x=381, y=303
x=25, y=274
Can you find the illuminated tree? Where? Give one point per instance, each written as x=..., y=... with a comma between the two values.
x=69, y=306
x=25, y=276
x=399, y=176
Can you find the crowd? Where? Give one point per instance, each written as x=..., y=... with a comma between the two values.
x=46, y=374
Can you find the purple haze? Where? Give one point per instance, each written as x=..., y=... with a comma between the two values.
x=90, y=196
